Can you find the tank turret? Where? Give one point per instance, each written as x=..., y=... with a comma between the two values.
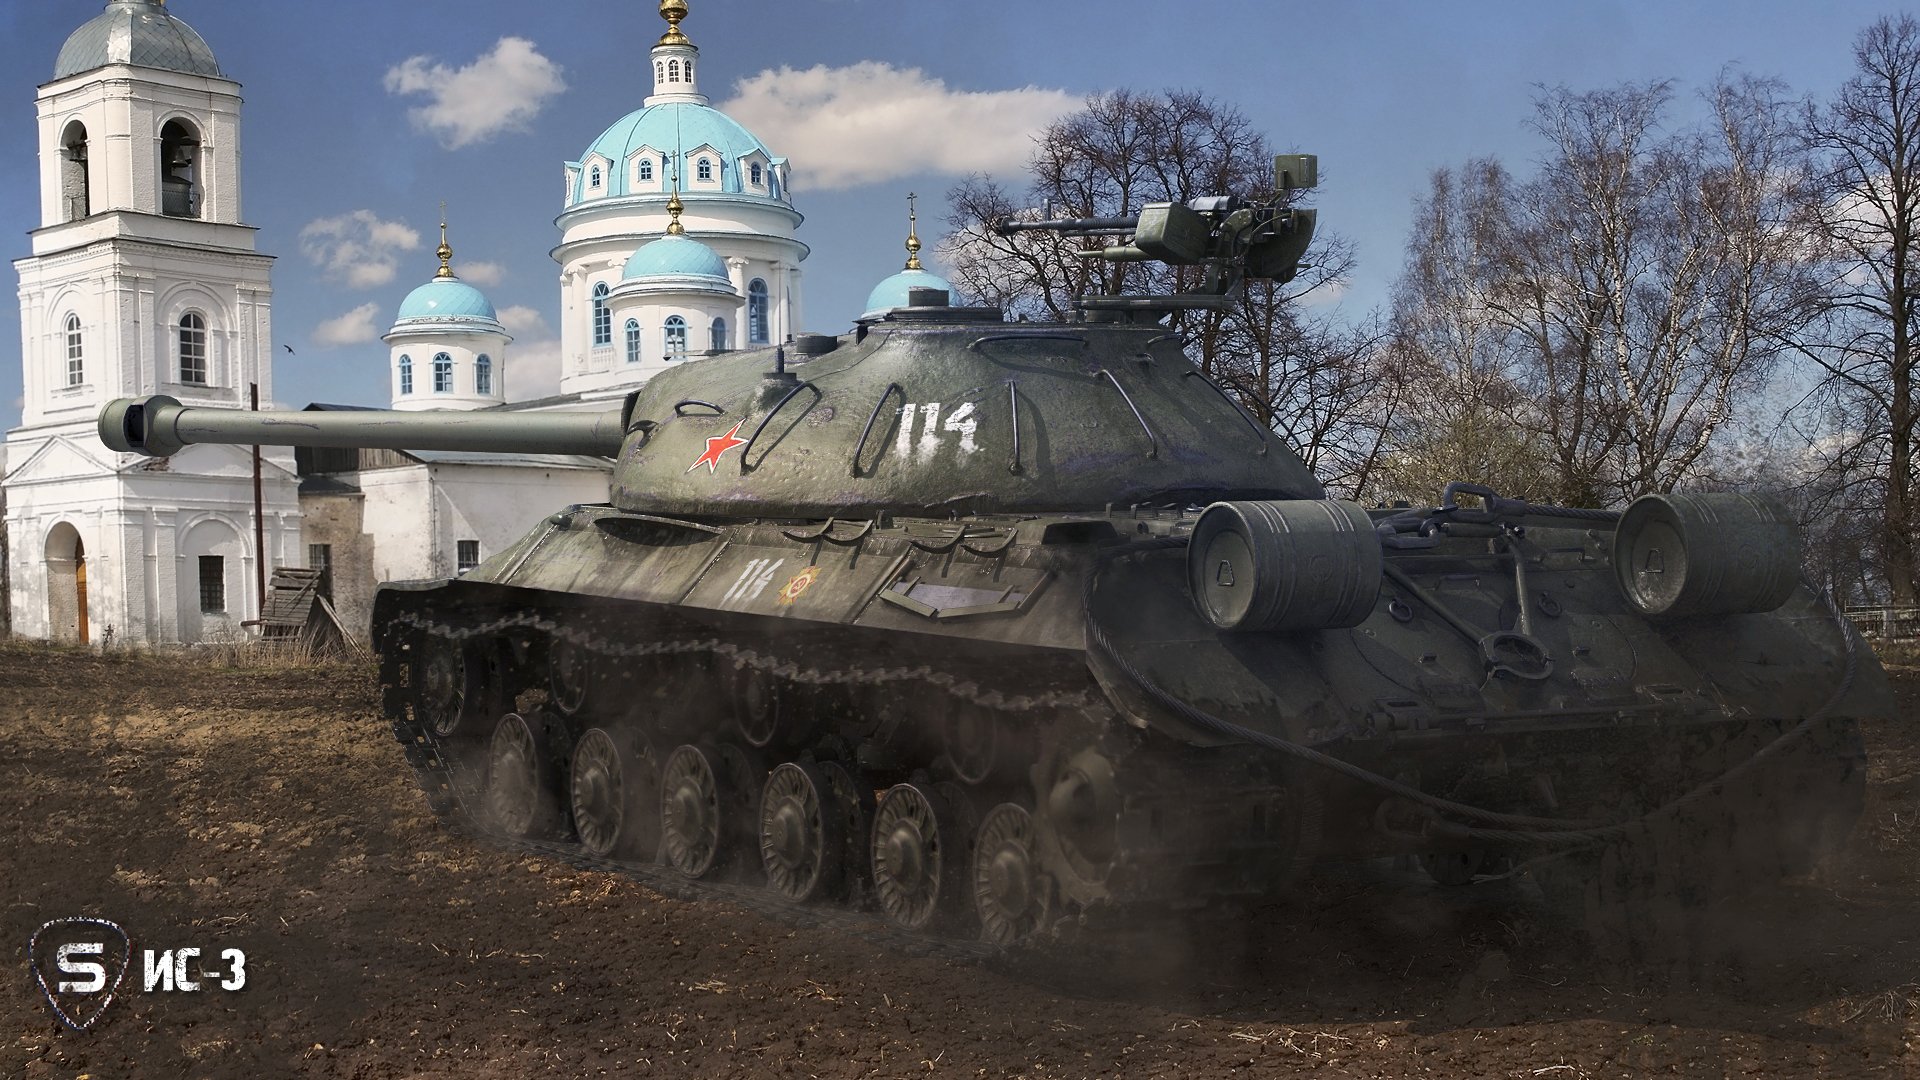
x=945, y=409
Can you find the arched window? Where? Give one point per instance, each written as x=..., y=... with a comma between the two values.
x=74, y=183
x=689, y=70
x=179, y=170
x=76, y=362
x=756, y=174
x=602, y=319
x=442, y=373
x=659, y=71
x=406, y=374
x=705, y=169
x=646, y=169
x=593, y=176
x=193, y=349
x=757, y=312
x=673, y=71
x=633, y=341
x=676, y=338
x=719, y=335
x=483, y=374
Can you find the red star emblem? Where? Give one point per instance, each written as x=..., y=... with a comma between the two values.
x=717, y=446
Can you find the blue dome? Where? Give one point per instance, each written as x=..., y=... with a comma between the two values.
x=444, y=299
x=676, y=129
x=137, y=32
x=892, y=292
x=675, y=255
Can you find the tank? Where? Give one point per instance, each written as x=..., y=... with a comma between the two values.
x=992, y=626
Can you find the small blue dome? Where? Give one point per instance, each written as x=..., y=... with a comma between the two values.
x=676, y=129
x=444, y=299
x=675, y=256
x=892, y=292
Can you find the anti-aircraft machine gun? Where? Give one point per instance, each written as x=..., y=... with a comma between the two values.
x=984, y=625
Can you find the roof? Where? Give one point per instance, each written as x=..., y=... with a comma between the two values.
x=137, y=32
x=447, y=299
x=892, y=292
x=675, y=129
x=676, y=256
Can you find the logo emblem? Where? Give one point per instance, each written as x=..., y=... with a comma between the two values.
x=79, y=951
x=798, y=584
x=717, y=446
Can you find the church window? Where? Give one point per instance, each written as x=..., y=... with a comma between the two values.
x=757, y=312
x=193, y=349
x=673, y=71
x=719, y=331
x=76, y=353
x=179, y=170
x=633, y=341
x=659, y=71
x=704, y=169
x=676, y=338
x=483, y=374
x=320, y=557
x=646, y=169
x=406, y=374
x=213, y=584
x=756, y=174
x=593, y=177
x=442, y=373
x=466, y=555
x=74, y=182
x=602, y=318
x=689, y=70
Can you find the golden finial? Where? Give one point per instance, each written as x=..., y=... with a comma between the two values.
x=673, y=11
x=913, y=236
x=674, y=206
x=445, y=252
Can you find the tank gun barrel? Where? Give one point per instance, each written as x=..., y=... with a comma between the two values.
x=1124, y=223
x=160, y=426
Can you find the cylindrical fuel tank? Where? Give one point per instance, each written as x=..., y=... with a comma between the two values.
x=1720, y=553
x=1284, y=564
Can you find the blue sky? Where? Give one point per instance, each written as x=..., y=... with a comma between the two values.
x=870, y=99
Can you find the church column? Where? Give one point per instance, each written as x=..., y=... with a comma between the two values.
x=737, y=274
x=778, y=329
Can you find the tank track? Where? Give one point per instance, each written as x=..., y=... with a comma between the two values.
x=453, y=791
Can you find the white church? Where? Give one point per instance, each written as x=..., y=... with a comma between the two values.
x=677, y=242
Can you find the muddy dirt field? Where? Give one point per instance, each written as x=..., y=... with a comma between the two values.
x=268, y=810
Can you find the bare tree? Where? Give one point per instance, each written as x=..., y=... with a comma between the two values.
x=1304, y=378
x=1456, y=359
x=1623, y=305
x=1868, y=144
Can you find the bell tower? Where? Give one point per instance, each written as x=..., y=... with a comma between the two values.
x=141, y=279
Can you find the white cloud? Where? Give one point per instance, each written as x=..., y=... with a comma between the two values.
x=871, y=121
x=533, y=371
x=480, y=273
x=533, y=363
x=524, y=322
x=358, y=247
x=501, y=91
x=356, y=327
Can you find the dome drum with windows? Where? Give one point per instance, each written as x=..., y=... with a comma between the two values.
x=447, y=343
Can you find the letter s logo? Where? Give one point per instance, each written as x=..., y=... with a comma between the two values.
x=96, y=973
